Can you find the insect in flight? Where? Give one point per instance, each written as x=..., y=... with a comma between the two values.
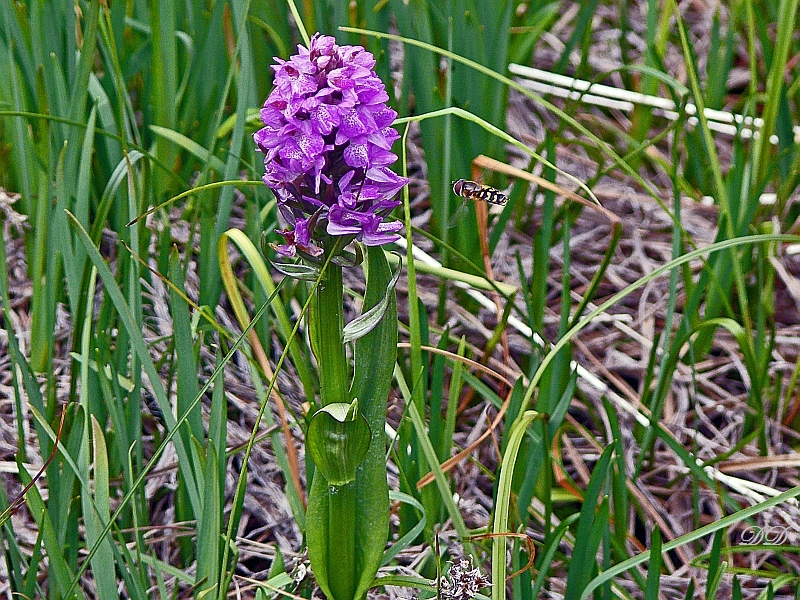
x=471, y=190
x=476, y=191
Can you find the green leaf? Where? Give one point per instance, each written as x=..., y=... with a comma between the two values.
x=208, y=527
x=338, y=439
x=583, y=558
x=654, y=568
x=103, y=561
x=348, y=259
x=716, y=568
x=361, y=326
x=58, y=570
x=397, y=547
x=500, y=525
x=550, y=552
x=190, y=146
x=141, y=351
x=296, y=271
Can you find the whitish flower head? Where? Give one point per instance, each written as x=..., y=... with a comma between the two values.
x=462, y=581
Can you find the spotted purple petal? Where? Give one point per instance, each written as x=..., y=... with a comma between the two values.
x=327, y=140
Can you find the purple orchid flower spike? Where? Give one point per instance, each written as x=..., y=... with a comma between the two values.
x=327, y=140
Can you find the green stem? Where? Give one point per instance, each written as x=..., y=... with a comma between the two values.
x=336, y=548
x=342, y=540
x=327, y=323
x=347, y=525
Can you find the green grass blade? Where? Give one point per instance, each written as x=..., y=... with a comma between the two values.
x=429, y=453
x=187, y=385
x=164, y=88
x=209, y=525
x=501, y=514
x=58, y=570
x=654, y=567
x=787, y=14
x=140, y=349
x=210, y=277
x=20, y=576
x=103, y=562
x=191, y=146
x=716, y=569
x=697, y=534
x=550, y=552
x=583, y=562
x=397, y=547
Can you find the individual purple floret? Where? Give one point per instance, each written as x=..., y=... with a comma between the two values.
x=327, y=142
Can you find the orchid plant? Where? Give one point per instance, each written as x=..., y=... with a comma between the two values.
x=327, y=141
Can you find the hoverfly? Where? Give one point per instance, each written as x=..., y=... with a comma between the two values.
x=471, y=190
x=476, y=191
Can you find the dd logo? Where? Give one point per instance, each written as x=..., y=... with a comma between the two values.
x=768, y=534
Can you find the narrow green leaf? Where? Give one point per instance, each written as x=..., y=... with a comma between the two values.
x=19, y=573
x=96, y=517
x=218, y=430
x=654, y=567
x=31, y=581
x=597, y=534
x=500, y=525
x=452, y=402
x=42, y=301
x=209, y=525
x=59, y=572
x=583, y=557
x=163, y=88
x=362, y=325
x=786, y=31
x=736, y=593
x=618, y=478
x=716, y=568
x=187, y=388
x=296, y=271
x=190, y=146
x=243, y=69
x=141, y=351
x=397, y=547
x=550, y=552
x=187, y=385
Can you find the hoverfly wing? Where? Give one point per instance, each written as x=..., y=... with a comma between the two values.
x=458, y=214
x=460, y=188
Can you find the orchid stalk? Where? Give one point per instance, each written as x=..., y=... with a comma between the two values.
x=327, y=141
